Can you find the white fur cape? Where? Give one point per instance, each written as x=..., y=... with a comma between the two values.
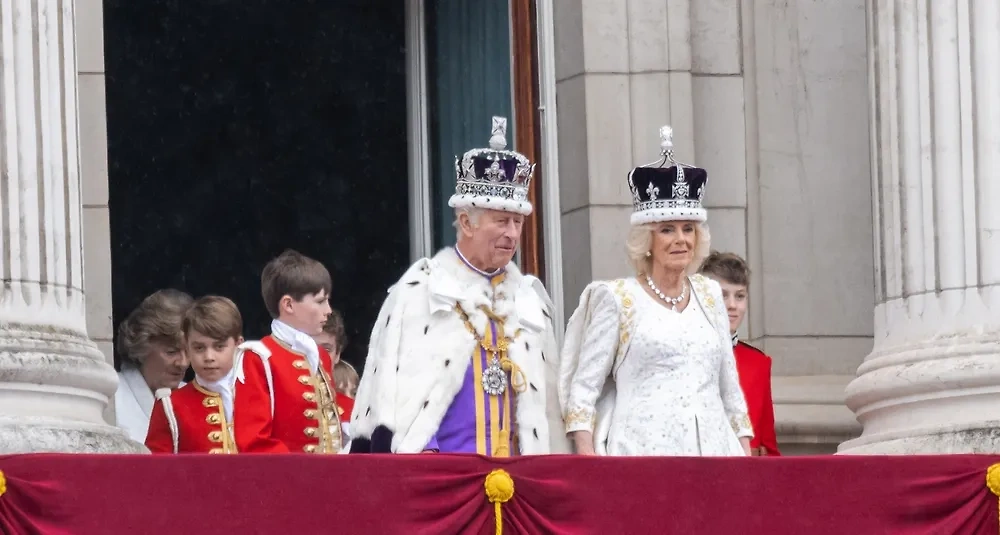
x=420, y=351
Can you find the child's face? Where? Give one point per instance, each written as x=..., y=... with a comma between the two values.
x=328, y=342
x=735, y=297
x=307, y=315
x=211, y=359
x=349, y=388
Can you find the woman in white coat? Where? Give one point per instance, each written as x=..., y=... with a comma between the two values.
x=152, y=350
x=647, y=367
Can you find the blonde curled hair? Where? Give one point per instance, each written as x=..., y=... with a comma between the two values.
x=640, y=242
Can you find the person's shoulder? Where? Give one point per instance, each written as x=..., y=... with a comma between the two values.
x=753, y=352
x=708, y=290
x=414, y=279
x=531, y=287
x=187, y=394
x=610, y=292
x=263, y=348
x=185, y=389
x=610, y=286
x=706, y=284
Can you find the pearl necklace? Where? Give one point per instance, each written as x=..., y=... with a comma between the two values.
x=672, y=301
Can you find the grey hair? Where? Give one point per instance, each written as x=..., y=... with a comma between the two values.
x=640, y=241
x=475, y=214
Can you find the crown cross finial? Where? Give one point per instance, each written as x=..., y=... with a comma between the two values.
x=680, y=190
x=498, y=139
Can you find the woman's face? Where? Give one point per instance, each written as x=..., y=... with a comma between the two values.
x=673, y=244
x=164, y=366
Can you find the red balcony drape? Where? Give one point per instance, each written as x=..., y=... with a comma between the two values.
x=445, y=494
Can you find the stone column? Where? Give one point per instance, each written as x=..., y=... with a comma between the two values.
x=932, y=382
x=54, y=382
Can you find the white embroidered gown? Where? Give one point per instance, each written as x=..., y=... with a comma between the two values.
x=677, y=389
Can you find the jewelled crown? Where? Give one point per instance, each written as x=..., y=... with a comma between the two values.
x=661, y=193
x=493, y=178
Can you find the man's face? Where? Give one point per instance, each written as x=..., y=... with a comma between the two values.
x=211, y=359
x=493, y=239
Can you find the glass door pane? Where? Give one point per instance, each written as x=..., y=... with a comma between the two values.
x=468, y=82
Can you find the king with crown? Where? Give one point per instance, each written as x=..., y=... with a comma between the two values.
x=463, y=356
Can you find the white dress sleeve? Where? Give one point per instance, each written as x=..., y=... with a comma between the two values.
x=729, y=380
x=596, y=358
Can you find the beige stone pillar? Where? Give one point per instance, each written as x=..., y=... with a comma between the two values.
x=54, y=382
x=932, y=382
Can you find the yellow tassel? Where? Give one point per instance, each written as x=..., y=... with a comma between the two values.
x=993, y=482
x=499, y=490
x=3, y=483
x=517, y=380
x=503, y=448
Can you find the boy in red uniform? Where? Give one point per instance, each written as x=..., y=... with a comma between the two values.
x=285, y=397
x=334, y=339
x=346, y=378
x=753, y=366
x=197, y=418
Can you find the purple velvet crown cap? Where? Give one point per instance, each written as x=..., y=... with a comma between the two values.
x=504, y=171
x=493, y=177
x=661, y=183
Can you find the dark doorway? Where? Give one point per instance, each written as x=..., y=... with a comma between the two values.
x=240, y=128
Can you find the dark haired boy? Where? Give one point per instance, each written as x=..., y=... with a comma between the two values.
x=752, y=364
x=285, y=396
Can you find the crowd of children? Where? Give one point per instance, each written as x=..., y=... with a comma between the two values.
x=288, y=392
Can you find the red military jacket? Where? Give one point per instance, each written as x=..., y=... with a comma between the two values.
x=754, y=368
x=308, y=411
x=201, y=423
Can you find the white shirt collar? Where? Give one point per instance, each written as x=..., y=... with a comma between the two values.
x=469, y=265
x=299, y=342
x=224, y=388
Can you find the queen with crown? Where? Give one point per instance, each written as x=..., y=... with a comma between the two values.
x=647, y=366
x=463, y=355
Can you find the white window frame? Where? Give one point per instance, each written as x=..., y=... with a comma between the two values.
x=551, y=210
x=418, y=147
